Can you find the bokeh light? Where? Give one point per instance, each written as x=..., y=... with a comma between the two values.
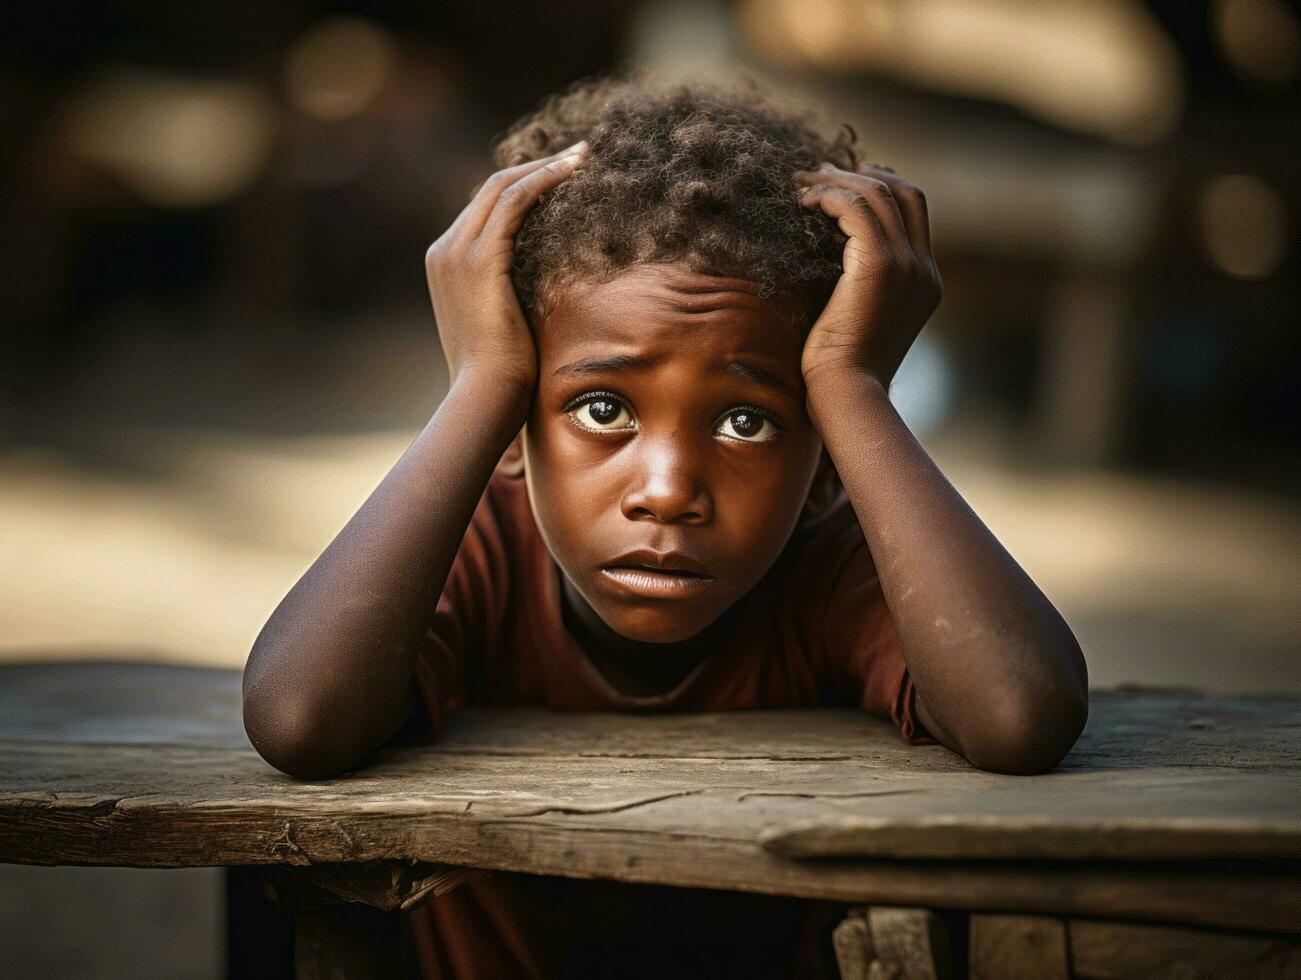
x=1259, y=38
x=1098, y=66
x=338, y=68
x=1244, y=225
x=174, y=141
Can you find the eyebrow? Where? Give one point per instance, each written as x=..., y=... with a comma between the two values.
x=629, y=362
x=598, y=365
x=758, y=375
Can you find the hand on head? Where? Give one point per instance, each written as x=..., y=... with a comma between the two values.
x=890, y=285
x=480, y=323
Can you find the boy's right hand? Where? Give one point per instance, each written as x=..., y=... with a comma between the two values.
x=480, y=323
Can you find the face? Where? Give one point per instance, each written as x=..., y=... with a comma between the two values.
x=668, y=453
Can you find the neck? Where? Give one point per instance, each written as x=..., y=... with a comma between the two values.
x=633, y=667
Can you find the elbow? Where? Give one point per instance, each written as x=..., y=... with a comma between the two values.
x=289, y=740
x=307, y=766
x=1025, y=736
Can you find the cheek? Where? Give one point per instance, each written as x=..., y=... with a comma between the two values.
x=762, y=503
x=566, y=495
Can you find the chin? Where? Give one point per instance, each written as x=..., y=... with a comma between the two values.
x=647, y=625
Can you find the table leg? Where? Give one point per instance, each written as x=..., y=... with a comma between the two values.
x=888, y=943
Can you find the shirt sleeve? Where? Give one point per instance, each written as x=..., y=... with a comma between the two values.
x=464, y=620
x=861, y=641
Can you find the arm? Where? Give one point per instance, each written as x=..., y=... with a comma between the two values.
x=331, y=674
x=998, y=674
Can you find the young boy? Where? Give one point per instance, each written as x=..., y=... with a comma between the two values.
x=671, y=323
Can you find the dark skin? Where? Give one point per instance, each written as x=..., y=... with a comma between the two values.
x=706, y=454
x=674, y=413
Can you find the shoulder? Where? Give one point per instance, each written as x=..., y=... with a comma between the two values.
x=503, y=510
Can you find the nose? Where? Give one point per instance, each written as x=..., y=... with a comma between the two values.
x=668, y=489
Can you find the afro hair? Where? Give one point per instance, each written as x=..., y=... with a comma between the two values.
x=677, y=171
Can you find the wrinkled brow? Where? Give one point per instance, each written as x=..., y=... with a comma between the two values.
x=597, y=365
x=629, y=362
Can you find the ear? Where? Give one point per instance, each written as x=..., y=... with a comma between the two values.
x=512, y=460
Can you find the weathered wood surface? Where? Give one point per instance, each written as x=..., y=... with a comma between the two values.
x=892, y=944
x=852, y=940
x=909, y=944
x=149, y=766
x=1019, y=947
x=1039, y=947
x=1118, y=950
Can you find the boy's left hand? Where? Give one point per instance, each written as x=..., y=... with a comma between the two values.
x=890, y=285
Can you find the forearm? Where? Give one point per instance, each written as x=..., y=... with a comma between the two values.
x=331, y=673
x=998, y=673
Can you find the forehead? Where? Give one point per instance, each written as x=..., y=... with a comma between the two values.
x=659, y=313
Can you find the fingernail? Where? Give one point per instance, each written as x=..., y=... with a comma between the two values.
x=579, y=147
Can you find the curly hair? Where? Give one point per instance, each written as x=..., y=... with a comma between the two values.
x=677, y=171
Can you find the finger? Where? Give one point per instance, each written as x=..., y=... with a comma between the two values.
x=912, y=204
x=476, y=213
x=868, y=242
x=514, y=202
x=876, y=192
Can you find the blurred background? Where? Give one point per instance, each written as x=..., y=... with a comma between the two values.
x=217, y=338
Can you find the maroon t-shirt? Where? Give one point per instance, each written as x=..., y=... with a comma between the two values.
x=814, y=631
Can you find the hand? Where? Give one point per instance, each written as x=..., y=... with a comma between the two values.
x=890, y=285
x=480, y=323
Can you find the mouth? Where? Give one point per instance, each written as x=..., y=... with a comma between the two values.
x=657, y=583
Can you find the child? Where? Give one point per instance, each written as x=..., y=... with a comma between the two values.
x=671, y=322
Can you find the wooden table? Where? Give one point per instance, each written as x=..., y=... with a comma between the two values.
x=1176, y=810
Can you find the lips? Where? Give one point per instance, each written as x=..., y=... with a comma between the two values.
x=657, y=575
x=659, y=561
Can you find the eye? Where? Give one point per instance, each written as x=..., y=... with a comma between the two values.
x=748, y=425
x=601, y=411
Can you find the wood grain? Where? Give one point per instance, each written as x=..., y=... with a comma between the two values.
x=1117, y=950
x=148, y=766
x=1019, y=947
x=852, y=941
x=910, y=944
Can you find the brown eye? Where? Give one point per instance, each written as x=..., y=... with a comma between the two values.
x=747, y=426
x=601, y=412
